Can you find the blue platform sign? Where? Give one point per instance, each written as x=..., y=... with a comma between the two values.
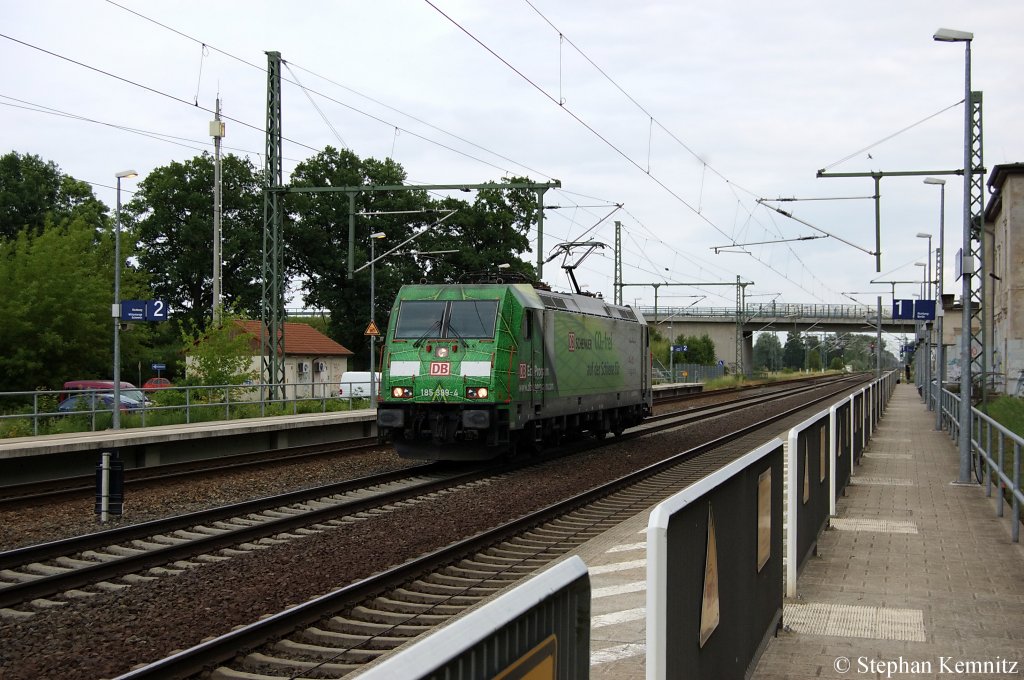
x=143, y=310
x=924, y=310
x=678, y=348
x=903, y=309
x=156, y=310
x=133, y=310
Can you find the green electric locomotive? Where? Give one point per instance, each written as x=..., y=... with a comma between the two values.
x=474, y=371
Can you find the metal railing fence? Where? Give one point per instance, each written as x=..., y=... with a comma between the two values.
x=34, y=413
x=991, y=443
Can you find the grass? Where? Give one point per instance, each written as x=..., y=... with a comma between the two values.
x=1008, y=412
x=734, y=380
x=165, y=412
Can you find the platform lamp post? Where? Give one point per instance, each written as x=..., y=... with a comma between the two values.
x=373, y=338
x=929, y=326
x=940, y=348
x=950, y=35
x=115, y=310
x=926, y=385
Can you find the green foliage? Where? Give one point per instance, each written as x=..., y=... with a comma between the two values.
x=16, y=427
x=171, y=217
x=220, y=355
x=814, y=360
x=1008, y=412
x=767, y=352
x=55, y=307
x=699, y=349
x=34, y=193
x=837, y=364
x=318, y=239
x=793, y=352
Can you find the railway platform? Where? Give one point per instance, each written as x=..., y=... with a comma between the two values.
x=915, y=578
x=25, y=459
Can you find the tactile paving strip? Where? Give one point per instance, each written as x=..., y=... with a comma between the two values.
x=883, y=526
x=840, y=620
x=881, y=481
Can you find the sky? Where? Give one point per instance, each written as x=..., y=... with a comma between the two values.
x=684, y=113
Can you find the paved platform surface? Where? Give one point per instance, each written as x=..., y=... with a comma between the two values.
x=916, y=576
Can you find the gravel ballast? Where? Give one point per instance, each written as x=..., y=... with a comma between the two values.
x=108, y=634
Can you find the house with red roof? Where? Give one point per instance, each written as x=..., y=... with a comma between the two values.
x=313, y=363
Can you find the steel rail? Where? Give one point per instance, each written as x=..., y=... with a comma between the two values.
x=205, y=655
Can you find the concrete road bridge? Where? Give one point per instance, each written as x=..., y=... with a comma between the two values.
x=724, y=328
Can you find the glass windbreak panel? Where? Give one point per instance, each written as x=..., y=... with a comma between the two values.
x=419, y=318
x=472, y=319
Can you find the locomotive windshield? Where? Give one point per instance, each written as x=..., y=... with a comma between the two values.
x=459, y=319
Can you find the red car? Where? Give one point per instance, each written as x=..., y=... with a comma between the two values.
x=156, y=384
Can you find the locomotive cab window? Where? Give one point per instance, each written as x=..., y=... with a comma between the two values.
x=527, y=324
x=417, y=318
x=446, y=319
x=472, y=319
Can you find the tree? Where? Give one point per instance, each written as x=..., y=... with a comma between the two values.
x=55, y=307
x=492, y=230
x=316, y=234
x=34, y=193
x=171, y=217
x=699, y=349
x=814, y=360
x=220, y=354
x=768, y=352
x=793, y=351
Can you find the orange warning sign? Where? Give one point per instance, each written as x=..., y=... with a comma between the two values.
x=371, y=329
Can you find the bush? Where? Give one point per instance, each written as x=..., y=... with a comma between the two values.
x=16, y=427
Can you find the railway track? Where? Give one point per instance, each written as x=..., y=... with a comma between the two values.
x=47, y=575
x=338, y=633
x=14, y=495
x=161, y=547
x=17, y=495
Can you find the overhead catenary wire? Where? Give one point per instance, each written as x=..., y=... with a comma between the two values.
x=695, y=210
x=147, y=88
x=887, y=138
x=354, y=109
x=395, y=128
x=159, y=136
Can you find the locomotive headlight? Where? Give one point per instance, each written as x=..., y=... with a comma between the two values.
x=442, y=352
x=401, y=392
x=476, y=392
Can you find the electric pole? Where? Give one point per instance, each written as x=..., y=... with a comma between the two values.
x=217, y=132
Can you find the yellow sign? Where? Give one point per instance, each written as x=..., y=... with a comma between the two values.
x=371, y=329
x=710, y=613
x=540, y=663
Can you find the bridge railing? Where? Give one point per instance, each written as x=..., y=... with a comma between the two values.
x=772, y=310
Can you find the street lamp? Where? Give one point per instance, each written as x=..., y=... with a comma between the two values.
x=925, y=364
x=940, y=347
x=115, y=310
x=950, y=35
x=373, y=338
x=928, y=341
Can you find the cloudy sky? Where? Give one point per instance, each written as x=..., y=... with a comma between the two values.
x=684, y=112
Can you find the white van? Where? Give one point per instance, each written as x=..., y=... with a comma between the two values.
x=356, y=384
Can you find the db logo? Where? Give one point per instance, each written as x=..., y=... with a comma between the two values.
x=440, y=368
x=572, y=341
x=522, y=371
